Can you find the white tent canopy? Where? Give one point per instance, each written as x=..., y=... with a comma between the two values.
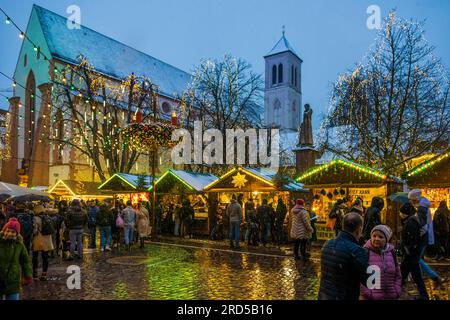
x=15, y=190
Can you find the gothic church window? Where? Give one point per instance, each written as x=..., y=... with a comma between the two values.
x=292, y=75
x=274, y=74
x=280, y=73
x=277, y=111
x=296, y=76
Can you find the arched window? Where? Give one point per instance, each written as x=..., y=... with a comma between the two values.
x=166, y=107
x=280, y=73
x=292, y=75
x=25, y=60
x=38, y=53
x=30, y=108
x=274, y=74
x=277, y=111
x=296, y=76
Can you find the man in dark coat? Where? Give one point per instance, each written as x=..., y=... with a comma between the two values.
x=344, y=263
x=263, y=216
x=411, y=248
x=441, y=222
x=372, y=217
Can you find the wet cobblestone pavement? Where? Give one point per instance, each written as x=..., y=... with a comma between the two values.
x=188, y=269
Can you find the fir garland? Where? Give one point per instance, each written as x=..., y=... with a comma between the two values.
x=144, y=137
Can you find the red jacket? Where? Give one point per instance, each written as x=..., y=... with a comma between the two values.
x=391, y=277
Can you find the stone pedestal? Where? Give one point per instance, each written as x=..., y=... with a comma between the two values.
x=10, y=166
x=305, y=158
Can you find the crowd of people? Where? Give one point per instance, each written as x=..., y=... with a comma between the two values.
x=363, y=245
x=262, y=224
x=56, y=229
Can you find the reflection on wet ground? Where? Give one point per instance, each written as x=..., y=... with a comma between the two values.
x=177, y=271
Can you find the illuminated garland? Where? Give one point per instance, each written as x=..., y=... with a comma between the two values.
x=349, y=164
x=144, y=137
x=5, y=153
x=427, y=164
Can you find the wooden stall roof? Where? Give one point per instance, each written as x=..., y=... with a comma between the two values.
x=75, y=188
x=342, y=173
x=252, y=179
x=433, y=173
x=125, y=182
x=180, y=181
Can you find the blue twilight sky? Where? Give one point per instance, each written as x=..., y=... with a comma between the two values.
x=330, y=36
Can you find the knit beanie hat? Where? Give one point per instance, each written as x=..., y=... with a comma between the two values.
x=415, y=194
x=384, y=229
x=300, y=202
x=12, y=224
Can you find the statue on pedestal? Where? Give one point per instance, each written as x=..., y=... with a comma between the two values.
x=306, y=137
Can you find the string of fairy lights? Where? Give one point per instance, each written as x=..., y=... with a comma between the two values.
x=363, y=169
x=111, y=141
x=346, y=138
x=427, y=164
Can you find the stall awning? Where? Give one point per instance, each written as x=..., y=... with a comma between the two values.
x=183, y=181
x=15, y=190
x=126, y=182
x=72, y=188
x=434, y=172
x=345, y=173
x=252, y=179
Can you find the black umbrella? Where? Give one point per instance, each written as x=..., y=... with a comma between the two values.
x=4, y=196
x=400, y=197
x=30, y=197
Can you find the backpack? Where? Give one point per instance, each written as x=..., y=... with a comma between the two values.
x=47, y=227
x=26, y=225
x=103, y=217
x=92, y=216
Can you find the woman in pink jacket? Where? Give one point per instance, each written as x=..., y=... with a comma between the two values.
x=380, y=253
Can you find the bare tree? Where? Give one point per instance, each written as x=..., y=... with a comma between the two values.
x=224, y=94
x=89, y=111
x=394, y=105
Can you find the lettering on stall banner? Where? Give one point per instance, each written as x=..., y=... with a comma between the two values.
x=359, y=191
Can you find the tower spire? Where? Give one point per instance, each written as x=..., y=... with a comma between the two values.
x=283, y=30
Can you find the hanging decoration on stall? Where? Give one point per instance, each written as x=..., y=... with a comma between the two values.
x=150, y=135
x=323, y=192
x=330, y=195
x=239, y=180
x=336, y=192
x=342, y=192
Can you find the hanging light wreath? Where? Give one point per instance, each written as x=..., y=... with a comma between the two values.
x=143, y=137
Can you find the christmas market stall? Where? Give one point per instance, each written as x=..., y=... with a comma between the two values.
x=256, y=184
x=176, y=185
x=433, y=177
x=127, y=186
x=71, y=189
x=342, y=179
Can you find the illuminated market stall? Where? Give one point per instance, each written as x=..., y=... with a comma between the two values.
x=127, y=186
x=176, y=185
x=342, y=179
x=71, y=189
x=256, y=184
x=433, y=177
